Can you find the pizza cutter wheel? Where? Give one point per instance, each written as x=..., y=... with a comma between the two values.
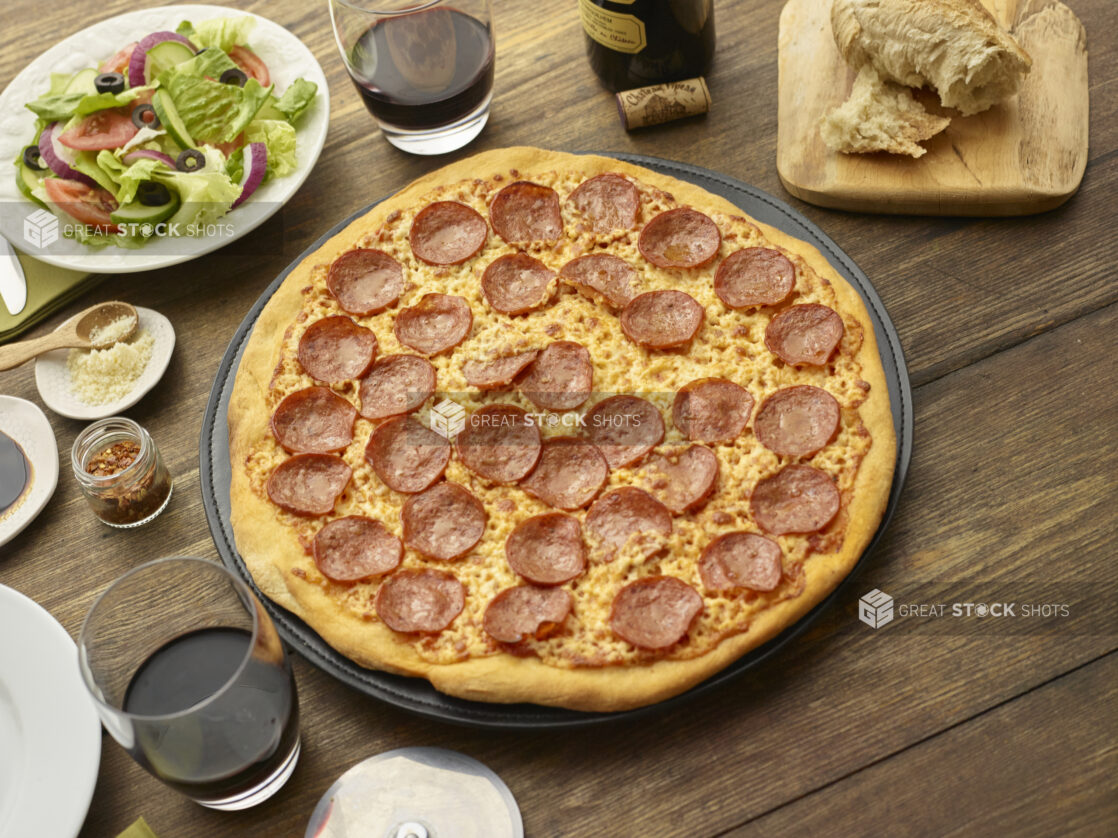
x=417, y=793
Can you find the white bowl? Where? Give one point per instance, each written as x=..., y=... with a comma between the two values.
x=53, y=379
x=28, y=426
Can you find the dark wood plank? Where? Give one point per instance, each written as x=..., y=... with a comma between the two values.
x=1049, y=772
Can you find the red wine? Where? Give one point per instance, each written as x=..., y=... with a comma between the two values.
x=424, y=69
x=230, y=744
x=634, y=43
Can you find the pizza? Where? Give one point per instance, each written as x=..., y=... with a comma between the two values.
x=555, y=428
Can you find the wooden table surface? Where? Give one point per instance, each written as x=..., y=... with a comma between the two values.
x=922, y=727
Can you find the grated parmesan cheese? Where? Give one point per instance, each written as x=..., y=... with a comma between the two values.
x=112, y=332
x=100, y=376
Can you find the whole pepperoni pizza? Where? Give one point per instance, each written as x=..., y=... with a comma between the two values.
x=558, y=429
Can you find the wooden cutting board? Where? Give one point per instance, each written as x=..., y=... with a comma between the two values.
x=1022, y=156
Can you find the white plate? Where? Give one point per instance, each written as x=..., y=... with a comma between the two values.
x=53, y=379
x=287, y=58
x=28, y=426
x=50, y=736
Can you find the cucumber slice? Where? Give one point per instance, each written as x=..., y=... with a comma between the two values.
x=165, y=110
x=138, y=213
x=83, y=82
x=166, y=54
x=28, y=179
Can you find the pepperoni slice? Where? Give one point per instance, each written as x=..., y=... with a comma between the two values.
x=516, y=283
x=797, y=421
x=365, y=281
x=756, y=276
x=407, y=456
x=607, y=202
x=712, y=410
x=547, y=549
x=490, y=375
x=444, y=522
x=654, y=612
x=683, y=480
x=796, y=499
x=395, y=385
x=314, y=420
x=447, y=233
x=499, y=443
x=309, y=484
x=525, y=611
x=680, y=238
x=336, y=349
x=436, y=323
x=420, y=600
x=624, y=428
x=804, y=334
x=354, y=548
x=570, y=472
x=560, y=378
x=525, y=212
x=628, y=513
x=741, y=560
x=603, y=278
x=662, y=319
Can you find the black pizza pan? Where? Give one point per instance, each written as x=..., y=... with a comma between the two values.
x=417, y=694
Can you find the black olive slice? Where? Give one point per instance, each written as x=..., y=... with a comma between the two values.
x=190, y=160
x=33, y=159
x=109, y=83
x=144, y=116
x=151, y=193
x=234, y=76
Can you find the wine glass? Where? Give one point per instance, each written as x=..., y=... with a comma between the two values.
x=424, y=69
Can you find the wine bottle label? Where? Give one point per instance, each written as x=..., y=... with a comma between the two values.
x=619, y=32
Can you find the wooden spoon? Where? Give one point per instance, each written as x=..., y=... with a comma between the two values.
x=74, y=335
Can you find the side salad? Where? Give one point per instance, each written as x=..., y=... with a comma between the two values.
x=165, y=137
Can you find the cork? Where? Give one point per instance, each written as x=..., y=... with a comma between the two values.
x=644, y=106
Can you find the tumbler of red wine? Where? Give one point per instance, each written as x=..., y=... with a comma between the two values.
x=424, y=69
x=191, y=678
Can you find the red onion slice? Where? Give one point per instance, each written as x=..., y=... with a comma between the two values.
x=256, y=164
x=132, y=156
x=57, y=156
x=137, y=64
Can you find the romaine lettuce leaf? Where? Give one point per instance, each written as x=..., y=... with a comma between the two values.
x=279, y=138
x=222, y=32
x=65, y=105
x=296, y=99
x=213, y=112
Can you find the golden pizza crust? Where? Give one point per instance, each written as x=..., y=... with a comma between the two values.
x=274, y=557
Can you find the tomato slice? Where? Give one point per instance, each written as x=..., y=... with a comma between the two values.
x=119, y=62
x=103, y=129
x=252, y=64
x=88, y=204
x=229, y=147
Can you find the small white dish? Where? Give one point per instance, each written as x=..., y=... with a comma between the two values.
x=287, y=58
x=53, y=378
x=29, y=427
x=50, y=735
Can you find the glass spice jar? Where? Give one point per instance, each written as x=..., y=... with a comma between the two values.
x=120, y=472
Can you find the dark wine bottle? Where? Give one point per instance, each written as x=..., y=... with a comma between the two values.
x=634, y=43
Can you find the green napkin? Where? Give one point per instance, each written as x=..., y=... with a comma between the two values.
x=48, y=289
x=139, y=829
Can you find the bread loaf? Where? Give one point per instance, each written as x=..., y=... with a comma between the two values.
x=954, y=46
x=880, y=115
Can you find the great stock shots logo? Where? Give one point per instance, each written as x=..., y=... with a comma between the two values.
x=40, y=229
x=448, y=418
x=875, y=609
